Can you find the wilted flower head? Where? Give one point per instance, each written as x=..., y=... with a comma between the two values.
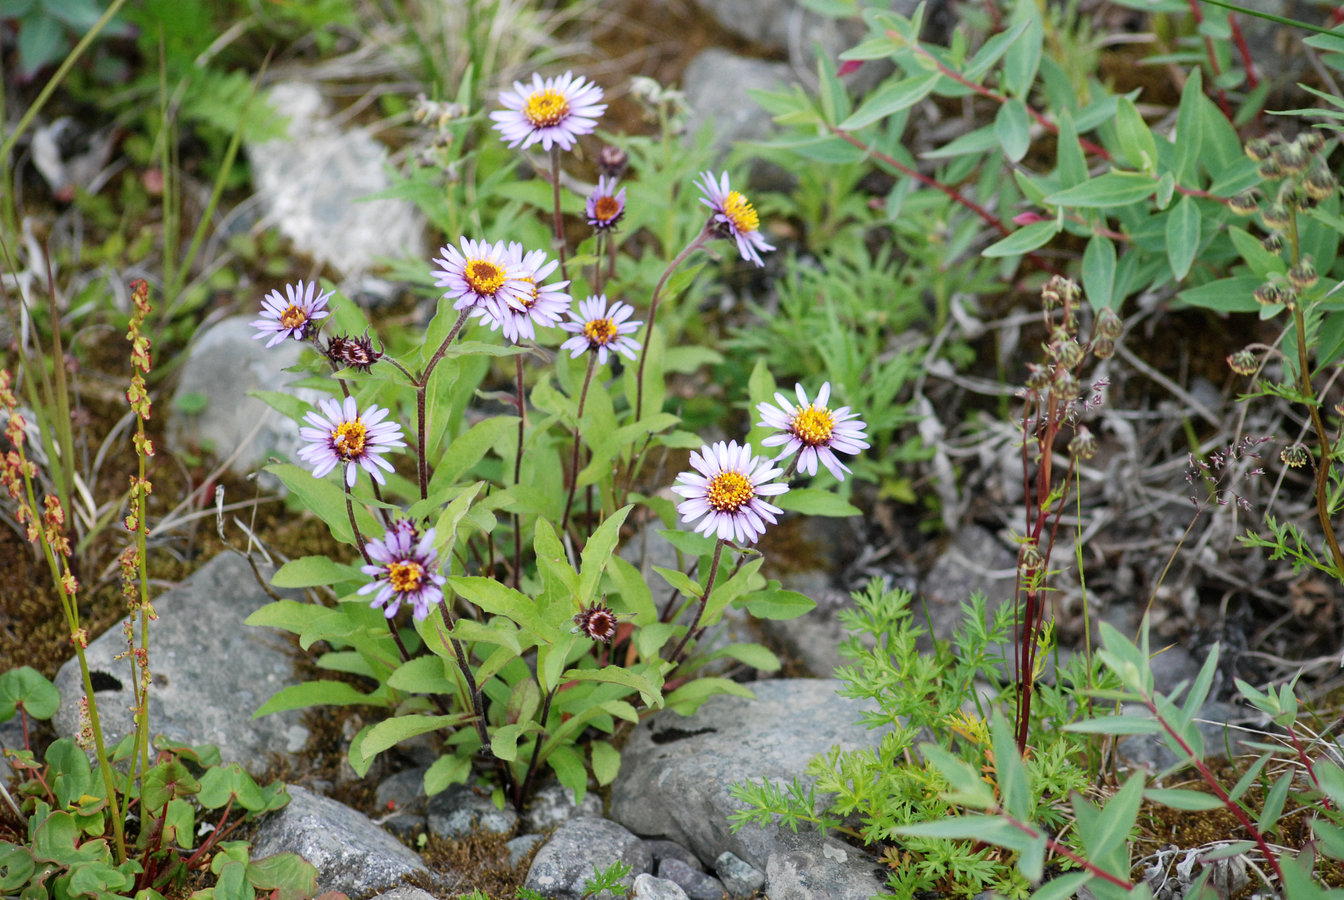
x=727, y=488
x=1319, y=183
x=606, y=205
x=346, y=352
x=1243, y=362
x=733, y=216
x=339, y=433
x=1294, y=456
x=404, y=569
x=813, y=430
x=597, y=622
x=552, y=112
x=612, y=160
x=1244, y=203
x=1084, y=444
x=479, y=273
x=535, y=303
x=1303, y=275
x=292, y=315
x=600, y=329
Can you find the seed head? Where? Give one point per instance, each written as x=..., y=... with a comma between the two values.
x=1275, y=216
x=1319, y=183
x=347, y=352
x=1060, y=290
x=1259, y=149
x=1038, y=377
x=597, y=622
x=1267, y=294
x=1273, y=242
x=1311, y=141
x=1108, y=324
x=1270, y=169
x=1066, y=386
x=1068, y=353
x=1103, y=348
x=1292, y=158
x=1243, y=362
x=1302, y=276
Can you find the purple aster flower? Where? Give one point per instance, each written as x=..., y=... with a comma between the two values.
x=606, y=205
x=340, y=433
x=292, y=315
x=601, y=329
x=813, y=430
x=554, y=111
x=404, y=569
x=536, y=304
x=479, y=273
x=734, y=217
x=727, y=489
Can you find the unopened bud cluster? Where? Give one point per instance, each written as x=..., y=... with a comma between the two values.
x=1055, y=383
x=1304, y=180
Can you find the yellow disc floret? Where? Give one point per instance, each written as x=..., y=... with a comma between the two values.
x=405, y=575
x=293, y=317
x=484, y=277
x=813, y=426
x=729, y=491
x=739, y=211
x=599, y=332
x=545, y=108
x=348, y=439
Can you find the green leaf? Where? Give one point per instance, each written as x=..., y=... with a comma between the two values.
x=568, y=768
x=290, y=615
x=1189, y=801
x=891, y=97
x=606, y=762
x=1136, y=140
x=815, y=502
x=312, y=571
x=687, y=698
x=649, y=692
x=504, y=740
x=1062, y=887
x=166, y=781
x=777, y=604
x=1189, y=127
x=390, y=732
x=597, y=551
x=29, y=688
x=680, y=581
x=1274, y=801
x=754, y=655
x=1024, y=240
x=314, y=693
x=1023, y=56
x=287, y=875
x=1099, y=272
x=1115, y=725
x=499, y=600
x=219, y=783
x=1108, y=190
x=1183, y=224
x=1012, y=127
x=445, y=772
x=1233, y=294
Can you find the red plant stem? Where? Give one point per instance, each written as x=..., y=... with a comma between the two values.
x=421, y=388
x=1060, y=850
x=1213, y=58
x=1239, y=39
x=1212, y=781
x=677, y=654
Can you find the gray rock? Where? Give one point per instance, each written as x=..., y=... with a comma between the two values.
x=520, y=846
x=561, y=868
x=404, y=892
x=822, y=869
x=648, y=887
x=974, y=561
x=740, y=878
x=676, y=772
x=314, y=183
x=461, y=810
x=814, y=637
x=663, y=850
x=403, y=797
x=352, y=854
x=223, y=364
x=554, y=804
x=734, y=116
x=696, y=884
x=787, y=26
x=210, y=671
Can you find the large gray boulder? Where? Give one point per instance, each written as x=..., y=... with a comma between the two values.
x=676, y=774
x=565, y=864
x=350, y=852
x=210, y=671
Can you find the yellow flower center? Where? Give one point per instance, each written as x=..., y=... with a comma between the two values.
x=606, y=208
x=484, y=277
x=348, y=439
x=599, y=331
x=529, y=298
x=545, y=108
x=814, y=425
x=738, y=210
x=293, y=317
x=729, y=491
x=405, y=576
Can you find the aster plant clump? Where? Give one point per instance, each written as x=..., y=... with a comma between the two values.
x=482, y=598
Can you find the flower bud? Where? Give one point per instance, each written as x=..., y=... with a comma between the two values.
x=1038, y=377
x=1294, y=456
x=1103, y=348
x=1068, y=353
x=1275, y=216
x=1259, y=149
x=1083, y=445
x=1109, y=324
x=1319, y=183
x=1244, y=203
x=612, y=160
x=1273, y=242
x=1066, y=386
x=1311, y=141
x=1292, y=159
x=1302, y=276
x=1243, y=362
x=1266, y=294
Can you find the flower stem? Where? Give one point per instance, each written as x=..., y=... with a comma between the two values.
x=421, y=389
x=574, y=456
x=694, y=629
x=518, y=474
x=699, y=241
x=559, y=218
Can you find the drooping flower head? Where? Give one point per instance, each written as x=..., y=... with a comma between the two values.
x=479, y=273
x=601, y=330
x=535, y=304
x=405, y=568
x=552, y=112
x=606, y=205
x=734, y=217
x=292, y=315
x=728, y=488
x=813, y=430
x=338, y=433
